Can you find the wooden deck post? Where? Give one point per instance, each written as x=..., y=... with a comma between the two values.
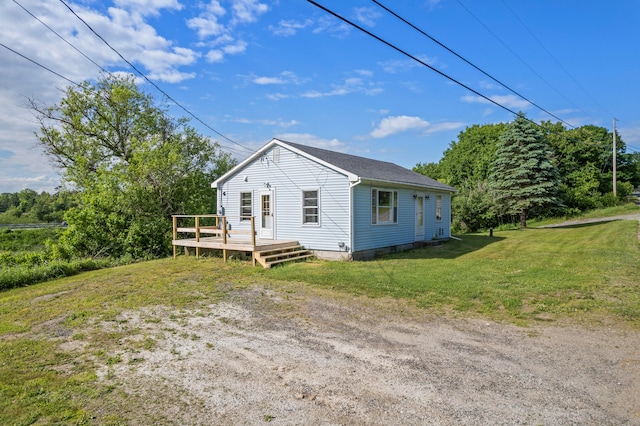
x=253, y=240
x=175, y=235
x=223, y=228
x=197, y=237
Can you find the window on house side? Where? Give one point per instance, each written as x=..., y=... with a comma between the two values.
x=245, y=206
x=310, y=208
x=384, y=207
x=438, y=208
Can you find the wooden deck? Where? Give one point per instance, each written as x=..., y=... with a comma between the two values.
x=266, y=251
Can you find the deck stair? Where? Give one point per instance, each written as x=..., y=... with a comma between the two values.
x=268, y=258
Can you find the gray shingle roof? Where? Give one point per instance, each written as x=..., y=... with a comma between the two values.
x=369, y=169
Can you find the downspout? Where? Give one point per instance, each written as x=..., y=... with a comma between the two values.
x=351, y=218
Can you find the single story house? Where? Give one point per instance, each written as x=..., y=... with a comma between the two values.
x=339, y=206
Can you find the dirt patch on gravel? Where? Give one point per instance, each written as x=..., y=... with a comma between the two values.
x=291, y=358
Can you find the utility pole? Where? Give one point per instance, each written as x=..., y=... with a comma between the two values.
x=615, y=183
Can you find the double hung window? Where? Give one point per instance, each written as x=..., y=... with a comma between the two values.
x=384, y=207
x=310, y=207
x=245, y=206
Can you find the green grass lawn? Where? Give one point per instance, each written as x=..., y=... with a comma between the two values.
x=516, y=275
x=583, y=273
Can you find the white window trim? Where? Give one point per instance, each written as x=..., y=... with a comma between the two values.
x=438, y=207
x=302, y=207
x=394, y=205
x=244, y=218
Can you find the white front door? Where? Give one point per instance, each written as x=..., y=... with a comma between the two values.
x=267, y=214
x=419, y=218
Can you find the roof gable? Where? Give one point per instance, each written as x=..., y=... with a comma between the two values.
x=369, y=169
x=354, y=167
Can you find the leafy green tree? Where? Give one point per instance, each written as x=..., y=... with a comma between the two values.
x=131, y=164
x=522, y=174
x=431, y=170
x=467, y=161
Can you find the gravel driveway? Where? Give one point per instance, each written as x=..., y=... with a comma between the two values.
x=293, y=357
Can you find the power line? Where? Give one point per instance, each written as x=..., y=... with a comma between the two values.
x=40, y=65
x=86, y=57
x=151, y=82
x=554, y=58
x=353, y=24
x=61, y=38
x=518, y=56
x=469, y=62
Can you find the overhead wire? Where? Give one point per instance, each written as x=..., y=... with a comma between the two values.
x=222, y=147
x=396, y=48
x=152, y=83
x=554, y=58
x=518, y=56
x=61, y=37
x=343, y=19
x=469, y=62
x=40, y=65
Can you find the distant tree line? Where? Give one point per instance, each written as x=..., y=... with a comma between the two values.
x=507, y=172
x=29, y=206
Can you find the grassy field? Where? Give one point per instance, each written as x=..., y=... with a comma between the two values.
x=585, y=273
x=516, y=275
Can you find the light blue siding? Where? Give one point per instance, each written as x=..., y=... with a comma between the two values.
x=288, y=177
x=288, y=174
x=369, y=236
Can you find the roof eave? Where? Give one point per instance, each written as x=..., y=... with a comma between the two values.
x=409, y=185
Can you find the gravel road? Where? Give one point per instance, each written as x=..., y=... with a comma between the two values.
x=294, y=357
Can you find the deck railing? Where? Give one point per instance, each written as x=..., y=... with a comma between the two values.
x=218, y=227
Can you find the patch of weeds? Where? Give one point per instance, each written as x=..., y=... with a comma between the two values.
x=78, y=336
x=268, y=418
x=209, y=345
x=513, y=305
x=116, y=359
x=195, y=337
x=148, y=343
x=111, y=375
x=134, y=361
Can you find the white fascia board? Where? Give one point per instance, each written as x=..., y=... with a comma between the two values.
x=352, y=177
x=405, y=185
x=242, y=165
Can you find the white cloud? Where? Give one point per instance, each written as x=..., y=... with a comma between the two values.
x=350, y=85
x=248, y=10
x=214, y=56
x=366, y=16
x=313, y=140
x=509, y=101
x=630, y=135
x=403, y=65
x=289, y=28
x=330, y=25
x=397, y=124
x=148, y=7
x=402, y=123
x=285, y=77
x=276, y=96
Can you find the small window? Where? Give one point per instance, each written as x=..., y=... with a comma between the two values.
x=245, y=206
x=384, y=207
x=310, y=208
x=276, y=154
x=438, y=208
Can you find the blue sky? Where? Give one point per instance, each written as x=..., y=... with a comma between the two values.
x=257, y=69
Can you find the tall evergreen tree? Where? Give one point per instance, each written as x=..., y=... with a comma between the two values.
x=522, y=174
